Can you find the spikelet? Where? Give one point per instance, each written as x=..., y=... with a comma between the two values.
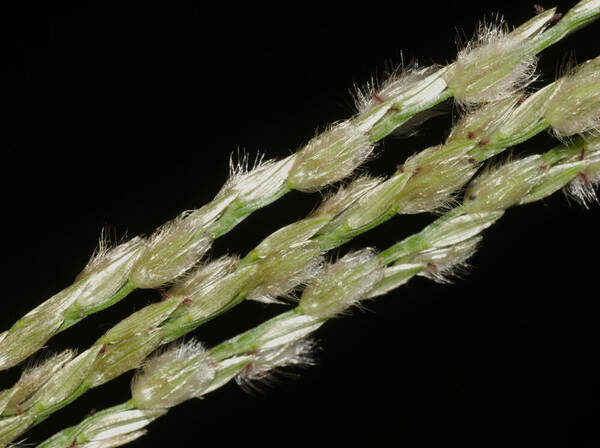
x=402, y=84
x=583, y=186
x=106, y=273
x=330, y=157
x=266, y=363
x=116, y=359
x=178, y=374
x=289, y=236
x=200, y=279
x=66, y=380
x=496, y=63
x=286, y=259
x=282, y=272
x=13, y=427
x=215, y=295
x=480, y=125
x=172, y=250
x=438, y=264
x=503, y=187
x=31, y=380
x=575, y=109
x=372, y=206
x=111, y=428
x=434, y=184
x=105, y=255
x=117, y=429
x=336, y=203
x=341, y=285
x=457, y=226
x=444, y=264
x=100, y=280
x=259, y=185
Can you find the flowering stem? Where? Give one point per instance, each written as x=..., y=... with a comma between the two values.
x=290, y=256
x=447, y=242
x=176, y=247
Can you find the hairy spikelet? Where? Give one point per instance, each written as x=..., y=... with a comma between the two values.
x=575, y=109
x=267, y=363
x=482, y=123
x=31, y=380
x=256, y=186
x=341, y=284
x=583, y=187
x=495, y=64
x=285, y=271
x=330, y=157
x=434, y=185
x=504, y=186
x=401, y=81
x=444, y=264
x=178, y=374
x=492, y=70
x=171, y=251
x=203, y=277
x=345, y=196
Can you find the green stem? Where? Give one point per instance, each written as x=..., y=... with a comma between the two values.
x=412, y=244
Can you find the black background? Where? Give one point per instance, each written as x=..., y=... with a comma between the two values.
x=123, y=114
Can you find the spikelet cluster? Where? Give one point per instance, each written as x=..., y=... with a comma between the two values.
x=495, y=65
x=189, y=371
x=94, y=287
x=292, y=255
x=493, y=69
x=180, y=373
